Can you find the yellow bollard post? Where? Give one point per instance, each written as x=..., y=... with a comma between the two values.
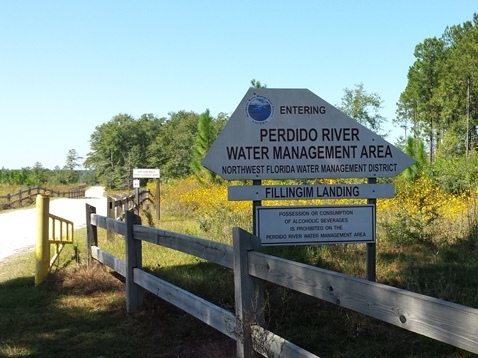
x=42, y=249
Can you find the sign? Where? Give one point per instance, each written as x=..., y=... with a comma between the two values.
x=294, y=134
x=146, y=173
x=136, y=183
x=304, y=225
x=296, y=192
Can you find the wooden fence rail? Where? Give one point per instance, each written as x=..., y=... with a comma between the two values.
x=27, y=196
x=447, y=322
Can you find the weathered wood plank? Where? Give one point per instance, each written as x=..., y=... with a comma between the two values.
x=210, y=250
x=98, y=220
x=109, y=260
x=271, y=345
x=444, y=321
x=215, y=316
x=248, y=291
x=116, y=226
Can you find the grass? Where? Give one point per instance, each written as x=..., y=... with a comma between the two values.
x=80, y=312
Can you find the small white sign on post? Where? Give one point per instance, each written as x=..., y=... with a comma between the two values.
x=136, y=183
x=146, y=173
x=150, y=174
x=304, y=225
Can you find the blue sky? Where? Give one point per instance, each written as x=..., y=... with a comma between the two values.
x=69, y=66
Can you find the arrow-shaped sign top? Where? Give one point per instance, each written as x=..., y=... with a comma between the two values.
x=294, y=134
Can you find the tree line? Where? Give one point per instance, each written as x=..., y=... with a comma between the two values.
x=178, y=143
x=124, y=143
x=39, y=175
x=439, y=105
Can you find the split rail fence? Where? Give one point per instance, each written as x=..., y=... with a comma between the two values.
x=443, y=321
x=27, y=196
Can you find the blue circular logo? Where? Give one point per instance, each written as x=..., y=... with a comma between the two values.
x=259, y=109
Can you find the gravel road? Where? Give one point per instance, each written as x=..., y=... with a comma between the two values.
x=18, y=227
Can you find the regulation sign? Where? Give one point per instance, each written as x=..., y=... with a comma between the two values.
x=287, y=225
x=146, y=173
x=294, y=134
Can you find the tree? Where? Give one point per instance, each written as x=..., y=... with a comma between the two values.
x=171, y=149
x=407, y=107
x=120, y=145
x=419, y=102
x=415, y=149
x=72, y=160
x=257, y=84
x=440, y=100
x=206, y=135
x=458, y=89
x=363, y=107
x=38, y=176
x=72, y=163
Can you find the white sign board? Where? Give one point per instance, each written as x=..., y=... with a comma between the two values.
x=146, y=173
x=300, y=192
x=294, y=134
x=304, y=225
x=136, y=183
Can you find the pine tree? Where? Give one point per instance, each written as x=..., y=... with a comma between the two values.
x=204, y=139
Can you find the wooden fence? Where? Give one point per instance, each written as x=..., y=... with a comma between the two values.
x=447, y=322
x=117, y=207
x=27, y=196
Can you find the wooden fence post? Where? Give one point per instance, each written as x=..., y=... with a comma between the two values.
x=91, y=234
x=119, y=212
x=134, y=293
x=136, y=201
x=42, y=248
x=249, y=292
x=110, y=213
x=158, y=200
